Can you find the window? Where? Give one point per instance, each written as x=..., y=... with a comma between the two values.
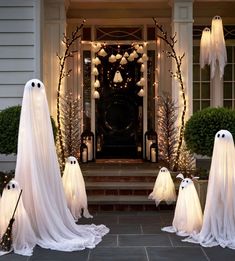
x=201, y=83
x=229, y=79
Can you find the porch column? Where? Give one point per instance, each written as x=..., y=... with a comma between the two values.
x=54, y=27
x=182, y=24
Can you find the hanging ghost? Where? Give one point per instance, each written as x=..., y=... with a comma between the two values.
x=205, y=48
x=38, y=173
x=219, y=52
x=74, y=188
x=218, y=226
x=112, y=58
x=188, y=213
x=117, y=77
x=23, y=237
x=164, y=188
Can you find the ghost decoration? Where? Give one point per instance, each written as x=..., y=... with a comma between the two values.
x=74, y=188
x=141, y=82
x=188, y=213
x=218, y=226
x=141, y=93
x=118, y=56
x=95, y=71
x=96, y=83
x=123, y=61
x=38, y=174
x=102, y=53
x=164, y=188
x=23, y=237
x=219, y=52
x=96, y=61
x=205, y=47
x=96, y=94
x=112, y=58
x=117, y=77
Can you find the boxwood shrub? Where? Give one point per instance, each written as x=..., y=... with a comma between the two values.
x=9, y=127
x=201, y=128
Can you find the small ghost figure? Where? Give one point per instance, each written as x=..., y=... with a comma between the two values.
x=117, y=77
x=188, y=212
x=218, y=226
x=23, y=237
x=164, y=188
x=74, y=187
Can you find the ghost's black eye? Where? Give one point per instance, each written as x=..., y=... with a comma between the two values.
x=8, y=187
x=218, y=135
x=71, y=162
x=33, y=84
x=187, y=181
x=13, y=185
x=74, y=162
x=39, y=85
x=223, y=135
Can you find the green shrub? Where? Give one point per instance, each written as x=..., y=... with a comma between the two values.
x=9, y=127
x=201, y=128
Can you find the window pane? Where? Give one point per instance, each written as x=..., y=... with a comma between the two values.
x=205, y=104
x=206, y=73
x=151, y=33
x=196, y=106
x=228, y=72
x=196, y=90
x=196, y=72
x=205, y=90
x=86, y=34
x=196, y=54
x=228, y=104
x=230, y=53
x=227, y=90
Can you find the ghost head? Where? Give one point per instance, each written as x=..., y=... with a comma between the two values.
x=188, y=212
x=164, y=188
x=74, y=187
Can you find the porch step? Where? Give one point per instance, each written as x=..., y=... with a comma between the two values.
x=135, y=200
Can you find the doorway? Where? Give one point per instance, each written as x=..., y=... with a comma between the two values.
x=119, y=110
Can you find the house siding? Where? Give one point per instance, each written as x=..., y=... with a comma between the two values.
x=20, y=49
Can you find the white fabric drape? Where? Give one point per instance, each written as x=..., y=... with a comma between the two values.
x=38, y=173
x=188, y=212
x=218, y=50
x=164, y=188
x=219, y=216
x=74, y=188
x=23, y=235
x=205, y=47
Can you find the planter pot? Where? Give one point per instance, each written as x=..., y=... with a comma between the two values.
x=201, y=187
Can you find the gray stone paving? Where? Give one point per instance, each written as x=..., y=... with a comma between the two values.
x=134, y=236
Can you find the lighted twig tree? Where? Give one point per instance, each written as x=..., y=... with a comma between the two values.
x=167, y=130
x=63, y=73
x=186, y=163
x=71, y=123
x=171, y=53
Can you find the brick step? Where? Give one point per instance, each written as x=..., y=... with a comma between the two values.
x=126, y=179
x=119, y=185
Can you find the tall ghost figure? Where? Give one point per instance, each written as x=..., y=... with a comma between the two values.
x=188, y=212
x=219, y=215
x=164, y=188
x=38, y=173
x=74, y=188
x=23, y=237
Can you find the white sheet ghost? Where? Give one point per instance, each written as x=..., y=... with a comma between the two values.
x=218, y=226
x=23, y=237
x=164, y=188
x=74, y=187
x=38, y=173
x=188, y=212
x=117, y=77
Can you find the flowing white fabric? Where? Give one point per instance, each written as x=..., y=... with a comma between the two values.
x=188, y=212
x=205, y=47
x=117, y=77
x=74, y=188
x=219, y=216
x=164, y=188
x=38, y=173
x=23, y=237
x=218, y=50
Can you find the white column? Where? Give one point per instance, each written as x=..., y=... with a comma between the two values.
x=182, y=25
x=54, y=27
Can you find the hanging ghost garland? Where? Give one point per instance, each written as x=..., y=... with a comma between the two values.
x=218, y=226
x=118, y=77
x=188, y=213
x=164, y=188
x=74, y=187
x=23, y=237
x=38, y=173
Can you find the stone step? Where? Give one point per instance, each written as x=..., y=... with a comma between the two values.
x=119, y=185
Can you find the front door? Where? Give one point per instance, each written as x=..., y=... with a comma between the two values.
x=119, y=110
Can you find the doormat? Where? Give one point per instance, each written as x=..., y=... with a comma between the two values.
x=125, y=161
